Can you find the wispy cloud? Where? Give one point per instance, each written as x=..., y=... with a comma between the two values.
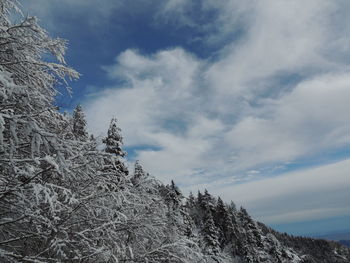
x=308, y=120
x=263, y=118
x=159, y=106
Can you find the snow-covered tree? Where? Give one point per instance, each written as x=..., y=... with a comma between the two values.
x=224, y=223
x=113, y=146
x=33, y=196
x=79, y=123
x=206, y=202
x=114, y=139
x=58, y=203
x=210, y=235
x=138, y=173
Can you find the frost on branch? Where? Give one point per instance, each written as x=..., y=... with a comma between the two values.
x=61, y=199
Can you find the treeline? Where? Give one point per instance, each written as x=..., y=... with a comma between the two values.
x=315, y=250
x=222, y=228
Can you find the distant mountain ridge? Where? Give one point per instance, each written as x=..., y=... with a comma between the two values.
x=340, y=237
x=345, y=242
x=335, y=236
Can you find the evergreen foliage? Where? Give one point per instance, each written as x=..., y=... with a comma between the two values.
x=114, y=142
x=224, y=223
x=138, y=173
x=210, y=235
x=114, y=139
x=79, y=123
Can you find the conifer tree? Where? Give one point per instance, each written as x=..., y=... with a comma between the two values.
x=79, y=123
x=210, y=235
x=92, y=142
x=175, y=194
x=188, y=213
x=232, y=207
x=138, y=173
x=252, y=236
x=114, y=139
x=207, y=202
x=113, y=145
x=172, y=196
x=223, y=221
x=199, y=198
x=190, y=202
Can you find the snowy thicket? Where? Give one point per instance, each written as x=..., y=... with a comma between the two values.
x=60, y=198
x=63, y=200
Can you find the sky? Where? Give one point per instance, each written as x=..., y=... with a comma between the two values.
x=248, y=99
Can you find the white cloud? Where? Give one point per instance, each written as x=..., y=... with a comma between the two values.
x=173, y=88
x=311, y=118
x=282, y=38
x=157, y=88
x=275, y=95
x=158, y=107
x=304, y=195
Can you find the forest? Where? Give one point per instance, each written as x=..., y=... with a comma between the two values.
x=63, y=199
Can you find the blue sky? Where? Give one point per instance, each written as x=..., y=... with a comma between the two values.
x=249, y=99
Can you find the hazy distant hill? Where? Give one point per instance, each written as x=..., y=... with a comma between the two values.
x=336, y=236
x=345, y=242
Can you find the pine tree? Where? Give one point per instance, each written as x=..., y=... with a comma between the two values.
x=172, y=196
x=199, y=198
x=92, y=143
x=138, y=173
x=114, y=142
x=175, y=194
x=114, y=139
x=252, y=235
x=232, y=207
x=207, y=202
x=79, y=124
x=188, y=214
x=190, y=202
x=223, y=221
x=210, y=235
